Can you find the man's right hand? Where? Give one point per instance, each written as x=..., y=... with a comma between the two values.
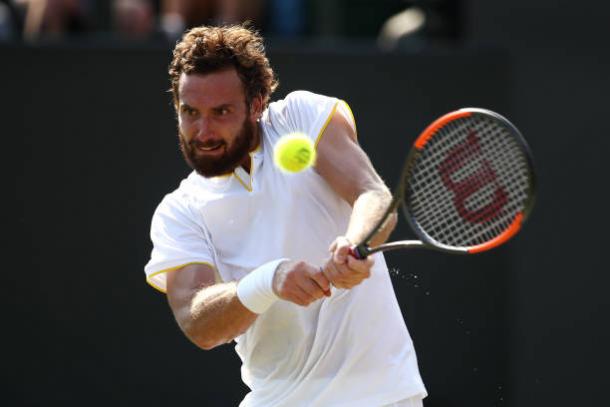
x=300, y=283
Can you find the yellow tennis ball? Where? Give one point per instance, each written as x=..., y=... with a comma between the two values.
x=294, y=152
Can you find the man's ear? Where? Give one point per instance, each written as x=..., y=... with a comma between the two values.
x=256, y=107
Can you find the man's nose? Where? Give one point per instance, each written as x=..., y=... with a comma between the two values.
x=204, y=131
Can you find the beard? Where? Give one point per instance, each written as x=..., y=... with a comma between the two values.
x=224, y=164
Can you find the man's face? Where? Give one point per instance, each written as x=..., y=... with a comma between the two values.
x=216, y=127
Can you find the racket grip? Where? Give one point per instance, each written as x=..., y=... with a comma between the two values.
x=359, y=252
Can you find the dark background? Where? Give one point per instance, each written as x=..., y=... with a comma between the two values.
x=90, y=149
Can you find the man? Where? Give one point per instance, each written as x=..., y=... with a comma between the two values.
x=248, y=253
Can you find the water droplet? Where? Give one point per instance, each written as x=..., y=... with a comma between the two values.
x=467, y=332
x=475, y=369
x=427, y=292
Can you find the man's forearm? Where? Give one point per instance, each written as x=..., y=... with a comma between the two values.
x=215, y=316
x=368, y=209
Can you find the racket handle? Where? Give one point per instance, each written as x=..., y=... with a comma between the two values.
x=359, y=252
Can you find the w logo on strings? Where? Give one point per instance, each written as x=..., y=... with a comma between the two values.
x=458, y=157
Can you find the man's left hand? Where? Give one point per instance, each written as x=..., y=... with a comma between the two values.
x=344, y=270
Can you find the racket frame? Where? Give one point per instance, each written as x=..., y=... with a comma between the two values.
x=363, y=250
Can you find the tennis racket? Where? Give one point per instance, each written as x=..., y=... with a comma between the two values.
x=467, y=185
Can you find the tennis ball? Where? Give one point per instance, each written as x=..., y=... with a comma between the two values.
x=294, y=152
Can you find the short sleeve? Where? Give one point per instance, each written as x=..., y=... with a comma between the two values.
x=178, y=240
x=306, y=112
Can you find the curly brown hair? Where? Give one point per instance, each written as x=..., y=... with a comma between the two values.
x=209, y=49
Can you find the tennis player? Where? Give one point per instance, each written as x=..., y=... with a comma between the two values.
x=248, y=253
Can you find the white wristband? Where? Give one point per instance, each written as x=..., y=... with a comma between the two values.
x=255, y=291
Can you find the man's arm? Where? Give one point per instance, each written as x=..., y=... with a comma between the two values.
x=209, y=314
x=212, y=314
x=349, y=171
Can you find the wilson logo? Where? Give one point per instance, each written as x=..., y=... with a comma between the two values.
x=457, y=158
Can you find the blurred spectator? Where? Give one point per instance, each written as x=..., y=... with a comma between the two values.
x=403, y=26
x=287, y=18
x=422, y=23
x=178, y=15
x=133, y=19
x=54, y=18
x=149, y=19
x=9, y=21
x=236, y=11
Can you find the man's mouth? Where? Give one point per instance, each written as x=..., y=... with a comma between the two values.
x=207, y=148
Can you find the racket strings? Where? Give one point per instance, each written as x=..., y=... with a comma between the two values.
x=466, y=169
x=469, y=182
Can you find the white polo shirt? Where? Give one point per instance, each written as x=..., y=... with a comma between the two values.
x=351, y=349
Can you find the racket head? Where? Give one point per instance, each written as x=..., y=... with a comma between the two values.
x=469, y=182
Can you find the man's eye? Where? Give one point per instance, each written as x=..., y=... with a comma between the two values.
x=223, y=111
